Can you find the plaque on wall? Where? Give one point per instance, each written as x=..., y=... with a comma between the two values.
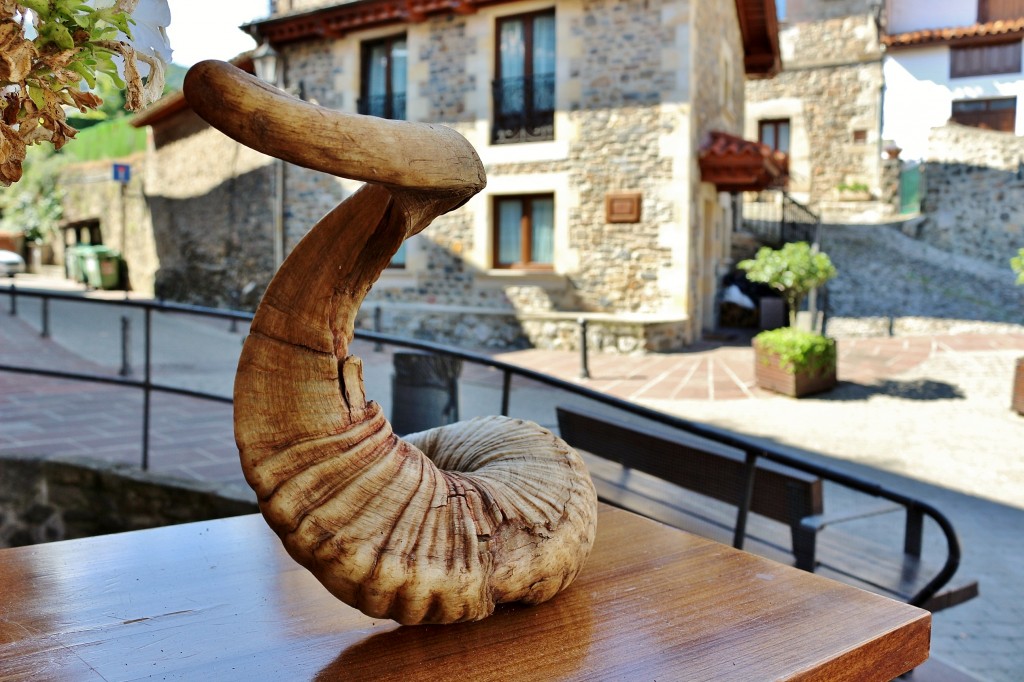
x=622, y=207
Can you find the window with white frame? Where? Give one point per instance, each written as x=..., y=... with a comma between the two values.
x=523, y=232
x=524, y=79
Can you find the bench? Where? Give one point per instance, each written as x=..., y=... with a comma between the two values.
x=739, y=497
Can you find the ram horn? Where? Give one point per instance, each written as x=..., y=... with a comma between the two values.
x=438, y=527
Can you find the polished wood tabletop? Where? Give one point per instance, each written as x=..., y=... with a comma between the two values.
x=220, y=600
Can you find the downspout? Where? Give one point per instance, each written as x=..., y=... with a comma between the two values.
x=279, y=185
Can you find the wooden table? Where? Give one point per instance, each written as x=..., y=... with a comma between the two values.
x=221, y=600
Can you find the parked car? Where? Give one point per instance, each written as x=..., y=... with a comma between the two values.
x=11, y=263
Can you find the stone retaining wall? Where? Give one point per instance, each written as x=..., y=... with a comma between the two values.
x=43, y=500
x=501, y=329
x=972, y=197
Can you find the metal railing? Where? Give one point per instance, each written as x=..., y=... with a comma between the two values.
x=775, y=218
x=753, y=449
x=524, y=109
x=385, y=106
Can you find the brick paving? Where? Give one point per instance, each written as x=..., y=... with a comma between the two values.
x=921, y=396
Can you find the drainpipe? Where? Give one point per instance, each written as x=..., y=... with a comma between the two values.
x=269, y=66
x=278, y=213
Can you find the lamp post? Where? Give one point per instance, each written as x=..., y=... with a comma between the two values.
x=268, y=66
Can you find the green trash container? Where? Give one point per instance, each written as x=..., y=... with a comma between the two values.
x=73, y=263
x=89, y=266
x=109, y=267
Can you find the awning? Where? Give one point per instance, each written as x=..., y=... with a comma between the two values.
x=733, y=164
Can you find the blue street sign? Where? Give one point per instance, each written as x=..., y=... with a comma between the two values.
x=122, y=172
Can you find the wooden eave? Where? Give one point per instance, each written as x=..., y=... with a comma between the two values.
x=758, y=24
x=339, y=20
x=990, y=32
x=759, y=29
x=733, y=164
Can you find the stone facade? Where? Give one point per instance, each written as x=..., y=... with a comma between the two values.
x=44, y=500
x=91, y=195
x=972, y=201
x=624, y=122
x=640, y=85
x=830, y=91
x=292, y=6
x=211, y=206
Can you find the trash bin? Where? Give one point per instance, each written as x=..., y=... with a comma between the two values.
x=100, y=266
x=88, y=266
x=72, y=263
x=424, y=391
x=109, y=262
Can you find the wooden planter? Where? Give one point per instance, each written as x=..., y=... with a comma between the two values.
x=1018, y=387
x=772, y=376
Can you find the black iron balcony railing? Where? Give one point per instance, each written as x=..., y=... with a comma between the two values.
x=776, y=218
x=385, y=106
x=524, y=109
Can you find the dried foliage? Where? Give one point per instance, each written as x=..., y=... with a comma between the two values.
x=52, y=52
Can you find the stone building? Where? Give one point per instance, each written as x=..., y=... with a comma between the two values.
x=211, y=207
x=824, y=108
x=101, y=210
x=609, y=131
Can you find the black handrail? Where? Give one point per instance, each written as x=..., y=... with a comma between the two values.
x=749, y=445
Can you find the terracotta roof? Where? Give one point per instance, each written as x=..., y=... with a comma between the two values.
x=733, y=164
x=978, y=32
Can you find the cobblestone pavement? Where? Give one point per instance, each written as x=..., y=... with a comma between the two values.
x=928, y=415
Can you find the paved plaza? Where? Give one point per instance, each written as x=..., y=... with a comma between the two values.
x=926, y=415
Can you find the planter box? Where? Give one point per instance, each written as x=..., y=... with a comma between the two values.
x=772, y=376
x=1018, y=387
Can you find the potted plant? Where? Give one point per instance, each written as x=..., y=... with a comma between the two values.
x=1017, y=263
x=788, y=360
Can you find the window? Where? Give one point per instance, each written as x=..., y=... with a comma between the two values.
x=991, y=114
x=994, y=10
x=384, y=78
x=860, y=136
x=982, y=60
x=775, y=134
x=524, y=83
x=524, y=231
x=398, y=260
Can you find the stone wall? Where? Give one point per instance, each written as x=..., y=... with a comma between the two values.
x=90, y=193
x=292, y=6
x=817, y=10
x=619, y=104
x=43, y=500
x=972, y=200
x=830, y=90
x=637, y=91
x=211, y=202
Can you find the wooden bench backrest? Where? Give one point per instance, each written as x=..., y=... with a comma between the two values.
x=705, y=467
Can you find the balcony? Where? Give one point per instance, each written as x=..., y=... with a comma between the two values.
x=384, y=106
x=524, y=109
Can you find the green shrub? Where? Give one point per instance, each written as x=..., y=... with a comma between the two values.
x=793, y=270
x=1017, y=263
x=799, y=350
x=108, y=140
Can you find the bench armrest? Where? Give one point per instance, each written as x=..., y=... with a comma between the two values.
x=818, y=522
